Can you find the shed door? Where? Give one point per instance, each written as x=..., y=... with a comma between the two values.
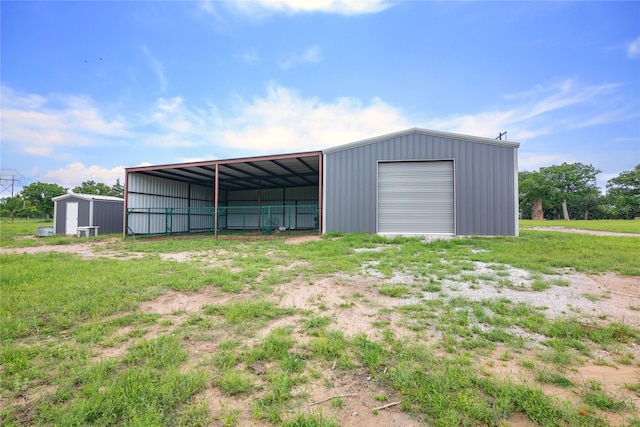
x=415, y=197
x=71, y=224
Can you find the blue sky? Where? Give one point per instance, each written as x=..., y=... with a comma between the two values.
x=88, y=88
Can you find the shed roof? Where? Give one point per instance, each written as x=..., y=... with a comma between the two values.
x=88, y=197
x=436, y=133
x=283, y=170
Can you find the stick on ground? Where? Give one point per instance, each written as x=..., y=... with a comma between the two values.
x=333, y=397
x=386, y=406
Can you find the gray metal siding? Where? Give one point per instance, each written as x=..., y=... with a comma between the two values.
x=109, y=216
x=484, y=182
x=60, y=220
x=59, y=217
x=83, y=212
x=106, y=214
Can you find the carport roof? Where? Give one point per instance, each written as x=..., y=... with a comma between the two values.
x=284, y=170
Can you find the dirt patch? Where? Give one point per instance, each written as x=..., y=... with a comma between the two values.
x=580, y=231
x=301, y=239
x=179, y=302
x=357, y=391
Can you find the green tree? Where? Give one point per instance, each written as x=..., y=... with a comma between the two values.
x=92, y=187
x=623, y=194
x=10, y=206
x=99, y=188
x=40, y=195
x=117, y=190
x=533, y=189
x=570, y=181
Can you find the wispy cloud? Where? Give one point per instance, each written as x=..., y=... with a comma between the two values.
x=37, y=125
x=157, y=68
x=633, y=50
x=540, y=110
x=309, y=55
x=341, y=7
x=249, y=57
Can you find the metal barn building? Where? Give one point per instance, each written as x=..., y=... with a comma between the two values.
x=90, y=213
x=411, y=182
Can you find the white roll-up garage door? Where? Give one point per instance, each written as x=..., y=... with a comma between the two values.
x=415, y=197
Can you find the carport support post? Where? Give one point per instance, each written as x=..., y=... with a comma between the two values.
x=215, y=203
x=320, y=175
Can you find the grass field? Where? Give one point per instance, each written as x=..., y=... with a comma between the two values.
x=201, y=332
x=617, y=226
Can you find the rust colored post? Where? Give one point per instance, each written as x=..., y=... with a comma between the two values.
x=215, y=203
x=320, y=174
x=126, y=203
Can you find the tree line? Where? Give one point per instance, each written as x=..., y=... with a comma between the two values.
x=36, y=199
x=569, y=191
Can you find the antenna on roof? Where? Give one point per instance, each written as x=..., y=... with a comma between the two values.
x=501, y=134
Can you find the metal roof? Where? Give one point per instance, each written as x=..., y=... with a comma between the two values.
x=284, y=170
x=88, y=197
x=435, y=133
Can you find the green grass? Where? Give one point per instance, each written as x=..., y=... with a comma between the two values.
x=613, y=225
x=23, y=233
x=395, y=291
x=61, y=314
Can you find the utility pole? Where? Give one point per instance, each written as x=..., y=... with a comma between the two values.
x=4, y=187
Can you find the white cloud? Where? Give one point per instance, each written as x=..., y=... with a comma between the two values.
x=157, y=68
x=310, y=55
x=535, y=112
x=39, y=126
x=284, y=121
x=633, y=50
x=249, y=57
x=171, y=123
x=342, y=7
x=76, y=173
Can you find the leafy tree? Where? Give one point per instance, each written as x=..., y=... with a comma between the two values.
x=91, y=187
x=10, y=206
x=533, y=188
x=99, y=188
x=623, y=193
x=570, y=181
x=117, y=190
x=40, y=195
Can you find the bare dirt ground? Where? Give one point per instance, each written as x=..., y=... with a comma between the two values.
x=578, y=231
x=354, y=305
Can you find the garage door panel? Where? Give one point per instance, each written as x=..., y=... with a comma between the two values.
x=415, y=197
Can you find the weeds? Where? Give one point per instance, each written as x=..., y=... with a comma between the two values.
x=58, y=313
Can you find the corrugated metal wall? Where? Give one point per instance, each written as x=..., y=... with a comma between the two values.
x=485, y=180
x=60, y=220
x=158, y=194
x=108, y=215
x=151, y=196
x=60, y=216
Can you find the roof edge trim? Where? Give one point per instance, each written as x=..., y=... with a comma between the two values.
x=88, y=197
x=442, y=134
x=224, y=161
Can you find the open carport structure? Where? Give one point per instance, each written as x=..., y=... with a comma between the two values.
x=265, y=194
